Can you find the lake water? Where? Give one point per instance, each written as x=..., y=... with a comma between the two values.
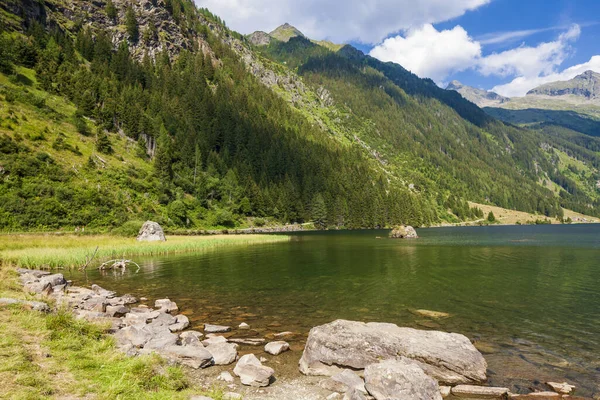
x=528, y=296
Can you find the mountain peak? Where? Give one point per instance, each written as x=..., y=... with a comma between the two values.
x=285, y=32
x=454, y=85
x=585, y=85
x=480, y=97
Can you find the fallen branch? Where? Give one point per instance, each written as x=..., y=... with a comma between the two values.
x=117, y=264
x=83, y=268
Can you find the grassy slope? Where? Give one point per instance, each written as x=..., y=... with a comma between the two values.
x=512, y=217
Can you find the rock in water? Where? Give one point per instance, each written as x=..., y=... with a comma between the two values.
x=404, y=232
x=151, y=232
x=448, y=357
x=400, y=379
x=276, y=348
x=252, y=372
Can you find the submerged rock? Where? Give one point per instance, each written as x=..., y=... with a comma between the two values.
x=252, y=372
x=400, y=379
x=562, y=388
x=447, y=357
x=404, y=232
x=276, y=348
x=208, y=328
x=151, y=232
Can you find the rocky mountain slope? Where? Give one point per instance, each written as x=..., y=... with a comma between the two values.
x=482, y=98
x=167, y=112
x=586, y=86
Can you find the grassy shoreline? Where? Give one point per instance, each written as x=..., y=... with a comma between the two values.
x=72, y=251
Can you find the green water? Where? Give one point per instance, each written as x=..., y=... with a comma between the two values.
x=528, y=296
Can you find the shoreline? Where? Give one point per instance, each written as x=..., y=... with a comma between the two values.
x=80, y=301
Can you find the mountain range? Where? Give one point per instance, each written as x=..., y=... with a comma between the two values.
x=115, y=112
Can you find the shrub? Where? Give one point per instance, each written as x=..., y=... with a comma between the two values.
x=129, y=228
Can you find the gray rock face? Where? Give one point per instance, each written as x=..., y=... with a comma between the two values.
x=354, y=394
x=276, y=348
x=586, y=85
x=259, y=38
x=214, y=340
x=151, y=232
x=192, y=356
x=191, y=338
x=223, y=353
x=482, y=98
x=400, y=379
x=166, y=305
x=447, y=357
x=343, y=382
x=404, y=232
x=252, y=372
x=181, y=322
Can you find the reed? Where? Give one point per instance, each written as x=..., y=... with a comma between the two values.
x=72, y=251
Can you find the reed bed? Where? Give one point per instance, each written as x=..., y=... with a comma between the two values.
x=72, y=251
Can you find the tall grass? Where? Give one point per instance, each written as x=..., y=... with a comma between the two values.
x=71, y=251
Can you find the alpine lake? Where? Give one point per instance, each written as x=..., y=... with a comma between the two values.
x=527, y=296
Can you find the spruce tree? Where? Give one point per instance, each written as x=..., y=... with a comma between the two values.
x=319, y=211
x=163, y=156
x=103, y=144
x=111, y=10
x=491, y=217
x=132, y=25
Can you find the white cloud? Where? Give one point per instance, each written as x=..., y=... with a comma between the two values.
x=510, y=36
x=530, y=61
x=521, y=85
x=430, y=53
x=367, y=21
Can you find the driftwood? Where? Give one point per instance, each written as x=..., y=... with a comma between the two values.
x=117, y=264
x=83, y=267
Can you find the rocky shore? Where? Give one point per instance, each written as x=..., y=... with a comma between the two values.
x=344, y=360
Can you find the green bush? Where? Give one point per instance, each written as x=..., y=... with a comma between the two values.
x=129, y=228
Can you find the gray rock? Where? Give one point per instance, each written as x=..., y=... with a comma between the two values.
x=133, y=318
x=244, y=325
x=445, y=391
x=232, y=396
x=563, y=388
x=276, y=348
x=225, y=376
x=447, y=357
x=344, y=381
x=164, y=319
x=400, y=379
x=404, y=232
x=353, y=394
x=116, y=311
x=103, y=292
x=161, y=337
x=136, y=335
x=32, y=305
x=151, y=232
x=252, y=372
x=479, y=392
x=192, y=356
x=259, y=38
x=166, y=305
x=54, y=279
x=208, y=328
x=190, y=338
x=223, y=353
x=181, y=322
x=35, y=272
x=248, y=341
x=214, y=340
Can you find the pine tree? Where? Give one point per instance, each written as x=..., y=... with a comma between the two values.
x=111, y=10
x=132, y=25
x=163, y=156
x=319, y=211
x=103, y=144
x=491, y=217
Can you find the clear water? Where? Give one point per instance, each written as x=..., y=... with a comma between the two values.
x=528, y=296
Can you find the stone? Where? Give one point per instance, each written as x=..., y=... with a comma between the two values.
x=32, y=305
x=136, y=335
x=102, y=292
x=214, y=340
x=151, y=232
x=164, y=319
x=181, y=322
x=263, y=359
x=244, y=325
x=223, y=353
x=97, y=304
x=248, y=341
x=35, y=272
x=448, y=357
x=252, y=372
x=129, y=299
x=400, y=379
x=191, y=338
x=346, y=380
x=353, y=394
x=334, y=396
x=225, y=376
x=161, y=337
x=276, y=348
x=562, y=388
x=540, y=395
x=232, y=396
x=283, y=334
x=432, y=314
x=404, y=232
x=479, y=392
x=117, y=311
x=166, y=305
x=191, y=356
x=53, y=280
x=208, y=328
x=445, y=391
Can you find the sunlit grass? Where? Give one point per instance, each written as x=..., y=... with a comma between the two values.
x=72, y=251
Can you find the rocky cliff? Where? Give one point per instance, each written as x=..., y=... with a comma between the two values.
x=586, y=85
x=482, y=98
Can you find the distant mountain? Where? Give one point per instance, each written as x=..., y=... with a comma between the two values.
x=482, y=98
x=285, y=32
x=586, y=85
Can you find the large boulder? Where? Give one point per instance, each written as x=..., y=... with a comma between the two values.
x=151, y=232
x=223, y=353
x=400, y=379
x=404, y=232
x=447, y=357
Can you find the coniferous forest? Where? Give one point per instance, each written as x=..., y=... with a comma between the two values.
x=172, y=125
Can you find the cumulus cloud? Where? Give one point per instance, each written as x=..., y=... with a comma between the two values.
x=522, y=84
x=366, y=21
x=435, y=54
x=430, y=53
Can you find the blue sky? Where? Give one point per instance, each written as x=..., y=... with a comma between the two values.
x=509, y=46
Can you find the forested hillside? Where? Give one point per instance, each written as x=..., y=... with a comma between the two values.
x=120, y=111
